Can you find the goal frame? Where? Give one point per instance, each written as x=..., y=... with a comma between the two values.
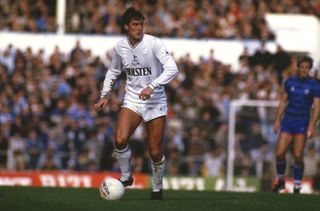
x=234, y=105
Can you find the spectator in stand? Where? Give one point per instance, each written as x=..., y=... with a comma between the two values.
x=281, y=61
x=213, y=162
x=311, y=161
x=34, y=148
x=4, y=145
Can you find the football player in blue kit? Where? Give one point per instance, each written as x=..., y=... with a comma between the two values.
x=300, y=95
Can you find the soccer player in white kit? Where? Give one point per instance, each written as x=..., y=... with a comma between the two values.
x=148, y=67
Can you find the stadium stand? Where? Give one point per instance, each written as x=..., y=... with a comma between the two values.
x=226, y=19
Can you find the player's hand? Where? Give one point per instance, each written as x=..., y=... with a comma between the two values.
x=310, y=131
x=145, y=93
x=101, y=104
x=276, y=126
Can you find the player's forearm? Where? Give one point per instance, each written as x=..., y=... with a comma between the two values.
x=169, y=73
x=315, y=114
x=280, y=110
x=282, y=105
x=113, y=73
x=169, y=66
x=108, y=83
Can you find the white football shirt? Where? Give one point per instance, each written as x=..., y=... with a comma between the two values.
x=147, y=63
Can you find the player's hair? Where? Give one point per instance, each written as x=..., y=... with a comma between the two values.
x=130, y=14
x=303, y=59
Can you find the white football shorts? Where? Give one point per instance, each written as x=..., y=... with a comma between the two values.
x=147, y=112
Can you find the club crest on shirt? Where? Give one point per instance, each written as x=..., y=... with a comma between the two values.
x=135, y=61
x=306, y=91
x=292, y=89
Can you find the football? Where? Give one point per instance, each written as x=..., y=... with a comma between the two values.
x=111, y=189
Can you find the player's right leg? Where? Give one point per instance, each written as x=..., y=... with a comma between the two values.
x=128, y=121
x=298, y=167
x=283, y=143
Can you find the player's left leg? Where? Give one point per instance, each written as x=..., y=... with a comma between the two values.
x=155, y=131
x=298, y=167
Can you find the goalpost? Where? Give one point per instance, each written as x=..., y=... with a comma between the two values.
x=234, y=106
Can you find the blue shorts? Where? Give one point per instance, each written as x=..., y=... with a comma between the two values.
x=294, y=125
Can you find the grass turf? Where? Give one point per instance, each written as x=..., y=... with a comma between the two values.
x=69, y=199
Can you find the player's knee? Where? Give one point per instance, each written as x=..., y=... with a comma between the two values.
x=120, y=141
x=156, y=154
x=298, y=158
x=280, y=156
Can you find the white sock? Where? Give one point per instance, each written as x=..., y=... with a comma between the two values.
x=124, y=157
x=297, y=183
x=157, y=174
x=281, y=177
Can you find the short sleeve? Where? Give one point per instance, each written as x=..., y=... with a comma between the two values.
x=286, y=85
x=316, y=91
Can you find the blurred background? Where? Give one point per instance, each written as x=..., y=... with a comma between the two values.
x=232, y=56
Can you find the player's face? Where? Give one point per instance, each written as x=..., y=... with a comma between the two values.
x=303, y=69
x=135, y=29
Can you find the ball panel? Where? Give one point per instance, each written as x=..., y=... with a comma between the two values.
x=103, y=194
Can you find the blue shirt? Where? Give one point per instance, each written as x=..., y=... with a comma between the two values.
x=300, y=96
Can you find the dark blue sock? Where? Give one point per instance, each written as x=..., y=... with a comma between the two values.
x=297, y=174
x=281, y=168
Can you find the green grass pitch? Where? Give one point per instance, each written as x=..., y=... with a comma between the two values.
x=69, y=199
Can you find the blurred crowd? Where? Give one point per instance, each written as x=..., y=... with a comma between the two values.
x=27, y=15
x=227, y=19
